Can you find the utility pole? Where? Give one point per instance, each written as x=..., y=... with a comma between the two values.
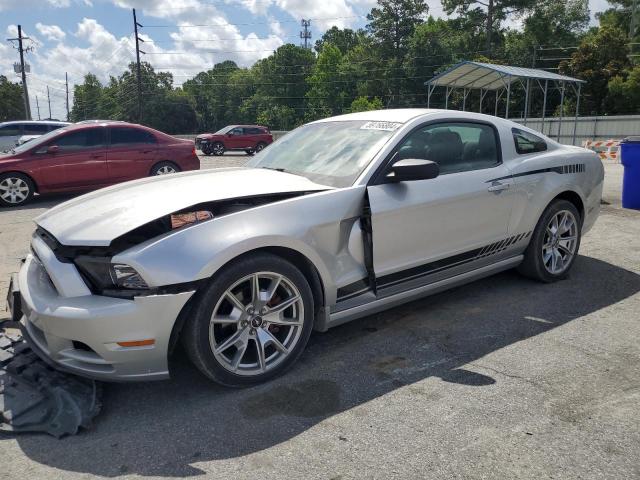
x=66, y=80
x=21, y=49
x=139, y=77
x=306, y=34
x=38, y=107
x=634, y=30
x=49, y=100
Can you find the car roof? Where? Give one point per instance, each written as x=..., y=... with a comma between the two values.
x=401, y=115
x=36, y=122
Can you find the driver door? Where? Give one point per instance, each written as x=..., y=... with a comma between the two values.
x=235, y=139
x=428, y=225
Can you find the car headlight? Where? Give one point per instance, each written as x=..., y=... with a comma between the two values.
x=103, y=275
x=124, y=276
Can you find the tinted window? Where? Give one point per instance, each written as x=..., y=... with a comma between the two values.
x=35, y=129
x=128, y=136
x=236, y=131
x=9, y=130
x=253, y=131
x=78, y=140
x=455, y=147
x=527, y=142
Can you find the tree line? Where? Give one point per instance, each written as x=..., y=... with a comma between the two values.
x=385, y=65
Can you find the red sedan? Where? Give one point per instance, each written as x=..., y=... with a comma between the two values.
x=88, y=156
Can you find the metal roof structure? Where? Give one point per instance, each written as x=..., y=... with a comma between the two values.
x=489, y=77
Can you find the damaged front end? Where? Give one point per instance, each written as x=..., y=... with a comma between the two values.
x=37, y=398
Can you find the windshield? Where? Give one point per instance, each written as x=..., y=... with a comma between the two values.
x=224, y=130
x=331, y=153
x=37, y=141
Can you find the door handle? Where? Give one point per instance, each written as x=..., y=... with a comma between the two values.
x=498, y=187
x=96, y=156
x=145, y=151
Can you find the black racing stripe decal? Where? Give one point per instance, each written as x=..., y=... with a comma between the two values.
x=562, y=170
x=450, y=262
x=353, y=289
x=361, y=286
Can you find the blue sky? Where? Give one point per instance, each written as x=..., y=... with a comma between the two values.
x=183, y=36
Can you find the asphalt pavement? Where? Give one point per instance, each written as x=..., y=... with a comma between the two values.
x=502, y=378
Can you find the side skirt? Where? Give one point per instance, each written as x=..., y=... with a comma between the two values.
x=380, y=304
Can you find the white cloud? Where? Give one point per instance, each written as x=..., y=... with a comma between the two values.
x=51, y=32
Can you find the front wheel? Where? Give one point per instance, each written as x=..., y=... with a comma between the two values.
x=15, y=189
x=554, y=244
x=217, y=149
x=206, y=149
x=252, y=322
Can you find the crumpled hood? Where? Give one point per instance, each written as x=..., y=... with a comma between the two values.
x=95, y=219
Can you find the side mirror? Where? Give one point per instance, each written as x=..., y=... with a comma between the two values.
x=411, y=169
x=53, y=149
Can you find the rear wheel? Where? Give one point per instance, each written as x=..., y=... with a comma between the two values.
x=217, y=149
x=259, y=147
x=252, y=322
x=15, y=189
x=164, y=168
x=554, y=244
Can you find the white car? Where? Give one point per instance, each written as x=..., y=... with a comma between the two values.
x=341, y=218
x=10, y=132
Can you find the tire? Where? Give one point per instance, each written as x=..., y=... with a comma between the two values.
x=259, y=147
x=217, y=149
x=206, y=149
x=15, y=189
x=249, y=152
x=550, y=256
x=164, y=168
x=228, y=350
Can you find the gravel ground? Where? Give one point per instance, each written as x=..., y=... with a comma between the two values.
x=502, y=378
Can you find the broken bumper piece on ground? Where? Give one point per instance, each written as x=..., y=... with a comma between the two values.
x=37, y=398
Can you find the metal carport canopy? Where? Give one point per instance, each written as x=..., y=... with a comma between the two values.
x=488, y=76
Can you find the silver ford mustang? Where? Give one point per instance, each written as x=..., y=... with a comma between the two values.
x=339, y=219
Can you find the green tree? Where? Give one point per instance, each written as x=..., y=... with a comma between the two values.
x=11, y=102
x=344, y=39
x=363, y=104
x=393, y=22
x=86, y=98
x=490, y=13
x=601, y=56
x=624, y=92
x=326, y=97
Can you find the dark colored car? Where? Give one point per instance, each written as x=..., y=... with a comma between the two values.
x=89, y=156
x=250, y=138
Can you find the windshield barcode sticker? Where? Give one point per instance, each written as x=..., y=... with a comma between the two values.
x=387, y=126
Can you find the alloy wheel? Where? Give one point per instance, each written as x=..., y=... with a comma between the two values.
x=259, y=147
x=165, y=169
x=256, y=323
x=14, y=190
x=218, y=149
x=560, y=241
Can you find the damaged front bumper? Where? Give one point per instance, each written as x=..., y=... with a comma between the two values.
x=83, y=333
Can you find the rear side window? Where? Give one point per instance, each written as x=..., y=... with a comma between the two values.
x=527, y=142
x=35, y=129
x=253, y=131
x=81, y=139
x=128, y=136
x=9, y=130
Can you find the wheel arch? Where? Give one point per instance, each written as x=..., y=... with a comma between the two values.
x=572, y=197
x=298, y=259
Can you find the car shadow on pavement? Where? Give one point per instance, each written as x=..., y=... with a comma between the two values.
x=46, y=201
x=167, y=428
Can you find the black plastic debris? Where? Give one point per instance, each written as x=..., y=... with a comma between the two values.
x=37, y=398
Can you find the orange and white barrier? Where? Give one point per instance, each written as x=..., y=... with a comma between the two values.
x=606, y=149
